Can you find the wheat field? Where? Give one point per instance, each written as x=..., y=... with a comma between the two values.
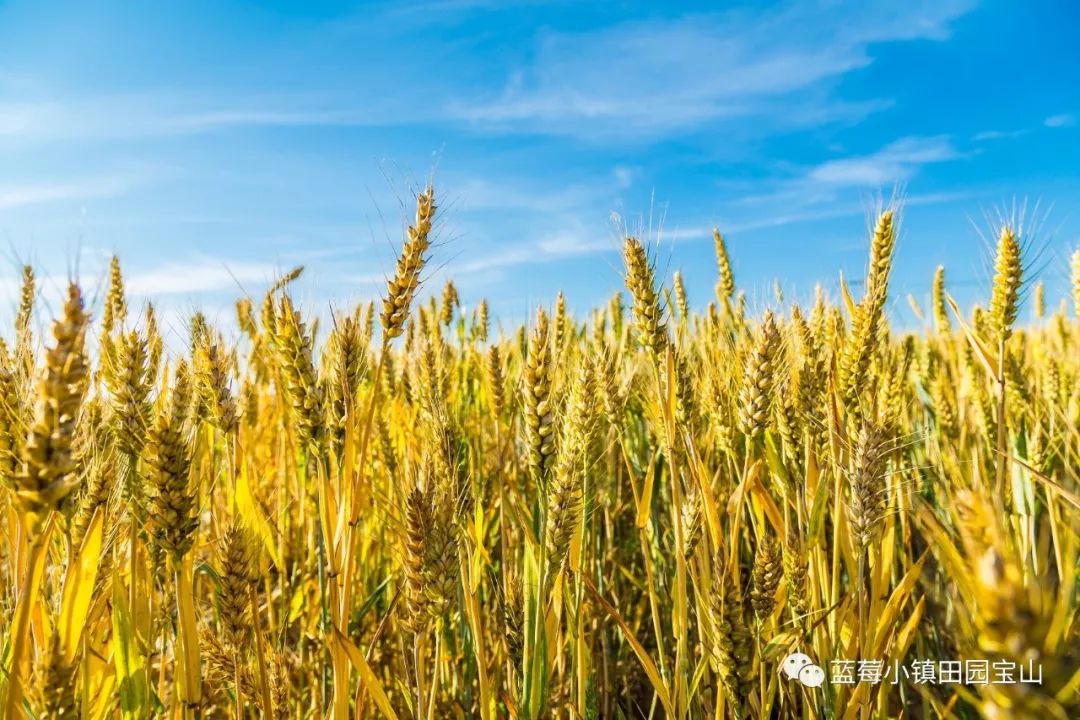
x=641, y=513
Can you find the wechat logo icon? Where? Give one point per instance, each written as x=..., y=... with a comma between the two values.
x=798, y=666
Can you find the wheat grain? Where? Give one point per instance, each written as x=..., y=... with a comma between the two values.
x=756, y=395
x=1008, y=277
x=648, y=311
x=401, y=288
x=47, y=475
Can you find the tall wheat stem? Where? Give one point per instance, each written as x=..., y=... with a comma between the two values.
x=20, y=625
x=260, y=651
x=1002, y=436
x=418, y=670
x=188, y=637
x=680, y=619
x=435, y=671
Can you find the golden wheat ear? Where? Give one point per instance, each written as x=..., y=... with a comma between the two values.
x=1008, y=278
x=236, y=571
x=766, y=576
x=115, y=312
x=756, y=396
x=215, y=402
x=53, y=693
x=941, y=314
x=648, y=310
x=47, y=475
x=564, y=502
x=795, y=572
x=168, y=459
x=48, y=472
x=295, y=355
x=725, y=286
x=537, y=402
x=416, y=532
x=868, y=491
x=401, y=288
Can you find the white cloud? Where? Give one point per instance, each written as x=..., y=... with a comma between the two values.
x=152, y=115
x=569, y=228
x=651, y=77
x=109, y=185
x=988, y=135
x=827, y=212
x=844, y=185
x=208, y=120
x=520, y=194
x=683, y=234
x=1054, y=121
x=893, y=163
x=510, y=256
x=570, y=244
x=197, y=276
x=572, y=241
x=1059, y=121
x=624, y=176
x=436, y=11
x=37, y=194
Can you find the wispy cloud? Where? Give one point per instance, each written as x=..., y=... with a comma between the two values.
x=894, y=163
x=1060, y=121
x=14, y=197
x=229, y=117
x=675, y=74
x=521, y=194
x=765, y=220
x=890, y=166
x=1054, y=121
x=197, y=276
x=152, y=115
x=574, y=240
x=108, y=185
x=990, y=135
x=624, y=175
x=441, y=11
x=815, y=193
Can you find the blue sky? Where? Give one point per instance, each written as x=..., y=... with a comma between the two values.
x=212, y=144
